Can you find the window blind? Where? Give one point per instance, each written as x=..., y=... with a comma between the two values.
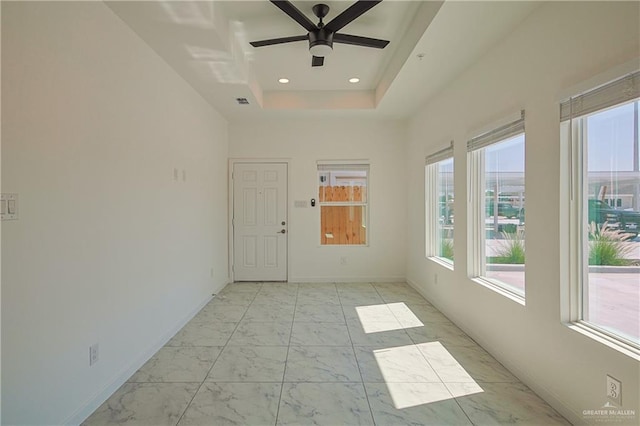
x=501, y=133
x=440, y=155
x=616, y=92
x=333, y=167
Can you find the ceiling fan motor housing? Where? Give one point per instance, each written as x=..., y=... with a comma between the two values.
x=320, y=42
x=320, y=10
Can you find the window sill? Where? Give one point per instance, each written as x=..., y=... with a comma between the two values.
x=491, y=285
x=442, y=262
x=343, y=245
x=605, y=339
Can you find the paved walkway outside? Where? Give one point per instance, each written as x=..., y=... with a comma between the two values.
x=614, y=299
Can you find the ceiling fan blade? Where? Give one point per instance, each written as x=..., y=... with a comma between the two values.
x=317, y=61
x=295, y=14
x=281, y=40
x=352, y=12
x=360, y=41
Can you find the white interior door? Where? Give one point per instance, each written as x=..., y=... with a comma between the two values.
x=260, y=221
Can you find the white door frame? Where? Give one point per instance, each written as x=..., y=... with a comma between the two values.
x=232, y=163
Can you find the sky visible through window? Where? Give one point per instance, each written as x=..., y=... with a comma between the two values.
x=611, y=136
x=511, y=158
x=611, y=132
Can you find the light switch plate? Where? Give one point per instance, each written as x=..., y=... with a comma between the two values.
x=9, y=206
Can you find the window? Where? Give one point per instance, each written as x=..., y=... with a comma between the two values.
x=439, y=217
x=343, y=198
x=497, y=196
x=601, y=129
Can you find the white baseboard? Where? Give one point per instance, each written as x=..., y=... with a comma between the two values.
x=219, y=288
x=343, y=279
x=531, y=381
x=101, y=396
x=549, y=397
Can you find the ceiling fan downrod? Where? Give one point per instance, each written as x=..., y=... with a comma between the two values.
x=320, y=10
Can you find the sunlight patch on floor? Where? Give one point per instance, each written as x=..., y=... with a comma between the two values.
x=405, y=315
x=400, y=365
x=404, y=364
x=446, y=361
x=379, y=318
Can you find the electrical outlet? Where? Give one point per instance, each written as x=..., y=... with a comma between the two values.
x=435, y=278
x=614, y=390
x=93, y=354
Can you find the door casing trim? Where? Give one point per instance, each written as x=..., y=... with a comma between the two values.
x=232, y=162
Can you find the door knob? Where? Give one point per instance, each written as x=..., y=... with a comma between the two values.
x=281, y=232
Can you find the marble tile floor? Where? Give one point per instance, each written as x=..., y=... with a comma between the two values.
x=322, y=354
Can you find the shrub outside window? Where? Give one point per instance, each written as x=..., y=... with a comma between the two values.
x=497, y=195
x=601, y=126
x=439, y=197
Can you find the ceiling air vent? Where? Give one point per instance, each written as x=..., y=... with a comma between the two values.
x=242, y=101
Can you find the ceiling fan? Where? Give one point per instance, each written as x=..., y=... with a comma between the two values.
x=321, y=36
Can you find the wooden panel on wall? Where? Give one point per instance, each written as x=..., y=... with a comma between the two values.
x=342, y=224
x=341, y=193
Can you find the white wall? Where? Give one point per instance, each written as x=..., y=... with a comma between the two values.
x=0, y=224
x=109, y=249
x=304, y=142
x=555, y=48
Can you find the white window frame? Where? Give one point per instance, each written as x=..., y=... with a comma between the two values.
x=432, y=204
x=343, y=165
x=573, y=126
x=477, y=260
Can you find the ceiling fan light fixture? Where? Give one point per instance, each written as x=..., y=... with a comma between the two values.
x=321, y=49
x=320, y=43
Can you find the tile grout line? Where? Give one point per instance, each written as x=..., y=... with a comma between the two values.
x=385, y=302
x=364, y=388
x=438, y=374
x=444, y=383
x=348, y=302
x=284, y=372
x=428, y=363
x=214, y=362
x=288, y=348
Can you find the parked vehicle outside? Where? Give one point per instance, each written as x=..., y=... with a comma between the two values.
x=625, y=220
x=504, y=209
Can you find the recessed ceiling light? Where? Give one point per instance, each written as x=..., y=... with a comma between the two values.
x=283, y=80
x=354, y=80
